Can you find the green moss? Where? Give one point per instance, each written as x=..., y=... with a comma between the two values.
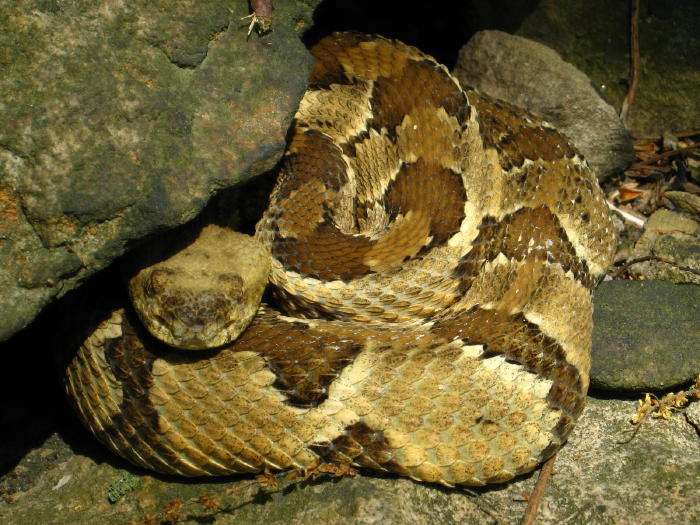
x=120, y=487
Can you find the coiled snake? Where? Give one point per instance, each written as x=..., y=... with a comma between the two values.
x=431, y=252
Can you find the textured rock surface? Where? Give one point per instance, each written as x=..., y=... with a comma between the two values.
x=685, y=201
x=646, y=336
x=669, y=45
x=535, y=77
x=596, y=480
x=674, y=238
x=118, y=120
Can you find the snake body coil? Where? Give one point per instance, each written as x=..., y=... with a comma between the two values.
x=432, y=255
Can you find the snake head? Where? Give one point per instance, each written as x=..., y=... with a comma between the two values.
x=204, y=296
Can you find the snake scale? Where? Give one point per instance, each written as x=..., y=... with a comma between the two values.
x=431, y=254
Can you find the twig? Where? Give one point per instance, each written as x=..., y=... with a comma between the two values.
x=689, y=134
x=484, y=507
x=627, y=215
x=632, y=432
x=536, y=496
x=644, y=167
x=634, y=62
x=646, y=258
x=662, y=408
x=261, y=17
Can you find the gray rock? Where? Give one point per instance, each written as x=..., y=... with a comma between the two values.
x=535, y=77
x=685, y=201
x=673, y=238
x=692, y=413
x=669, y=44
x=119, y=120
x=665, y=221
x=646, y=336
x=596, y=480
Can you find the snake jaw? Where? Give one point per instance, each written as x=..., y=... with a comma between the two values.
x=204, y=296
x=190, y=318
x=203, y=320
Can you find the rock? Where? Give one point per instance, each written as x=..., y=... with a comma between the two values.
x=671, y=237
x=120, y=120
x=665, y=221
x=596, y=480
x=684, y=200
x=646, y=336
x=535, y=77
x=693, y=414
x=669, y=44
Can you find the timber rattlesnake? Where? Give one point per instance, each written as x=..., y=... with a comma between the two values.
x=432, y=254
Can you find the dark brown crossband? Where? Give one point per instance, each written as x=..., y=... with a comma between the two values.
x=503, y=127
x=304, y=360
x=361, y=445
x=413, y=189
x=521, y=342
x=430, y=87
x=529, y=233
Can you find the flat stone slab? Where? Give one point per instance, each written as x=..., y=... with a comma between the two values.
x=646, y=336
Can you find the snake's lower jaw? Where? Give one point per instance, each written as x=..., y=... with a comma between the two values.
x=195, y=336
x=183, y=330
x=205, y=296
